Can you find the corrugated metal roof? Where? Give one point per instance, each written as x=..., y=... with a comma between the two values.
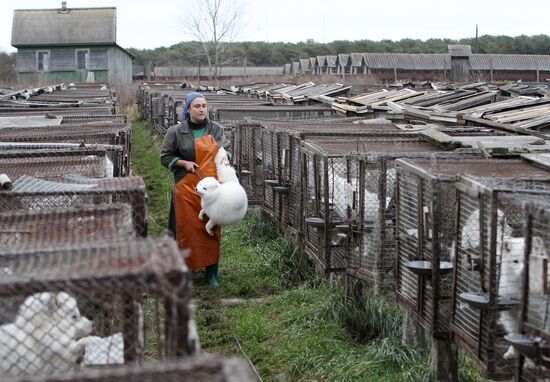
x=441, y=61
x=407, y=61
x=343, y=59
x=75, y=26
x=304, y=64
x=460, y=50
x=509, y=62
x=313, y=61
x=332, y=61
x=357, y=59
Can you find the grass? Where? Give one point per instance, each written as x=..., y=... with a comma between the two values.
x=292, y=323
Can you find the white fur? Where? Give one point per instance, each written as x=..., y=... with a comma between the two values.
x=470, y=230
x=509, y=285
x=104, y=351
x=44, y=336
x=226, y=172
x=223, y=203
x=109, y=167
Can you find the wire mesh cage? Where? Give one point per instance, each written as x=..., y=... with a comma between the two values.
x=89, y=119
x=95, y=304
x=91, y=166
x=248, y=159
x=70, y=225
x=282, y=175
x=488, y=267
x=351, y=205
x=425, y=227
x=56, y=111
x=197, y=369
x=532, y=341
x=233, y=112
x=82, y=135
x=113, y=154
x=30, y=193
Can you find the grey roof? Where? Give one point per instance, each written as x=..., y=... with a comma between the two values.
x=332, y=61
x=343, y=59
x=509, y=62
x=313, y=62
x=406, y=61
x=460, y=50
x=75, y=26
x=357, y=59
x=304, y=64
x=441, y=61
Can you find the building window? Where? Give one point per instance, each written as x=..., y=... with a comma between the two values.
x=82, y=59
x=43, y=61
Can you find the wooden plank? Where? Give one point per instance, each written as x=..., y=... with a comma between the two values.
x=542, y=160
x=440, y=139
x=500, y=126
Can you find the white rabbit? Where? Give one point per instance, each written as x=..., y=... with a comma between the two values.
x=45, y=336
x=509, y=285
x=225, y=172
x=223, y=203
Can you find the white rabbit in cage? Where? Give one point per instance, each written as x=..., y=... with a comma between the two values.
x=109, y=168
x=470, y=230
x=103, y=350
x=509, y=284
x=44, y=337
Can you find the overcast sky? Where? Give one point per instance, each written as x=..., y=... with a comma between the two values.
x=152, y=24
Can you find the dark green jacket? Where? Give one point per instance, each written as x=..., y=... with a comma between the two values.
x=180, y=144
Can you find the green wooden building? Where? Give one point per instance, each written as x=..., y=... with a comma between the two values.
x=69, y=45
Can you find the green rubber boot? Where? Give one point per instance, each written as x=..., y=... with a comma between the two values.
x=211, y=275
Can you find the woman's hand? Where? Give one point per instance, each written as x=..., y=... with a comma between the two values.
x=189, y=166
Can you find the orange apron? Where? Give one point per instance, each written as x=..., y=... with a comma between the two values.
x=190, y=231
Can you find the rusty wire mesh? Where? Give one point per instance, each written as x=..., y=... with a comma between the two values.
x=487, y=277
x=330, y=191
x=535, y=320
x=65, y=226
x=82, y=135
x=113, y=154
x=30, y=193
x=426, y=202
x=94, y=304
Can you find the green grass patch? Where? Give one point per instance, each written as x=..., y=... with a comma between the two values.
x=158, y=180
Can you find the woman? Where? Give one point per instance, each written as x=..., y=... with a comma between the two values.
x=188, y=151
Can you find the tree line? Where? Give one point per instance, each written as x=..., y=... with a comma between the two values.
x=279, y=53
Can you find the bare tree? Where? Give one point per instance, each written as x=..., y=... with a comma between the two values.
x=214, y=24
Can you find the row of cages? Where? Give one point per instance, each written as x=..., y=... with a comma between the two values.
x=452, y=234
x=160, y=104
x=81, y=285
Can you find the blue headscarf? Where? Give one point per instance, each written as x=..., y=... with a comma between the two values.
x=186, y=102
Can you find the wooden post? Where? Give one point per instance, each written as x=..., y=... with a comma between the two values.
x=444, y=362
x=131, y=328
x=412, y=333
x=177, y=316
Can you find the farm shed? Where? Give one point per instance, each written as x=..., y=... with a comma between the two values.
x=69, y=45
x=460, y=62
